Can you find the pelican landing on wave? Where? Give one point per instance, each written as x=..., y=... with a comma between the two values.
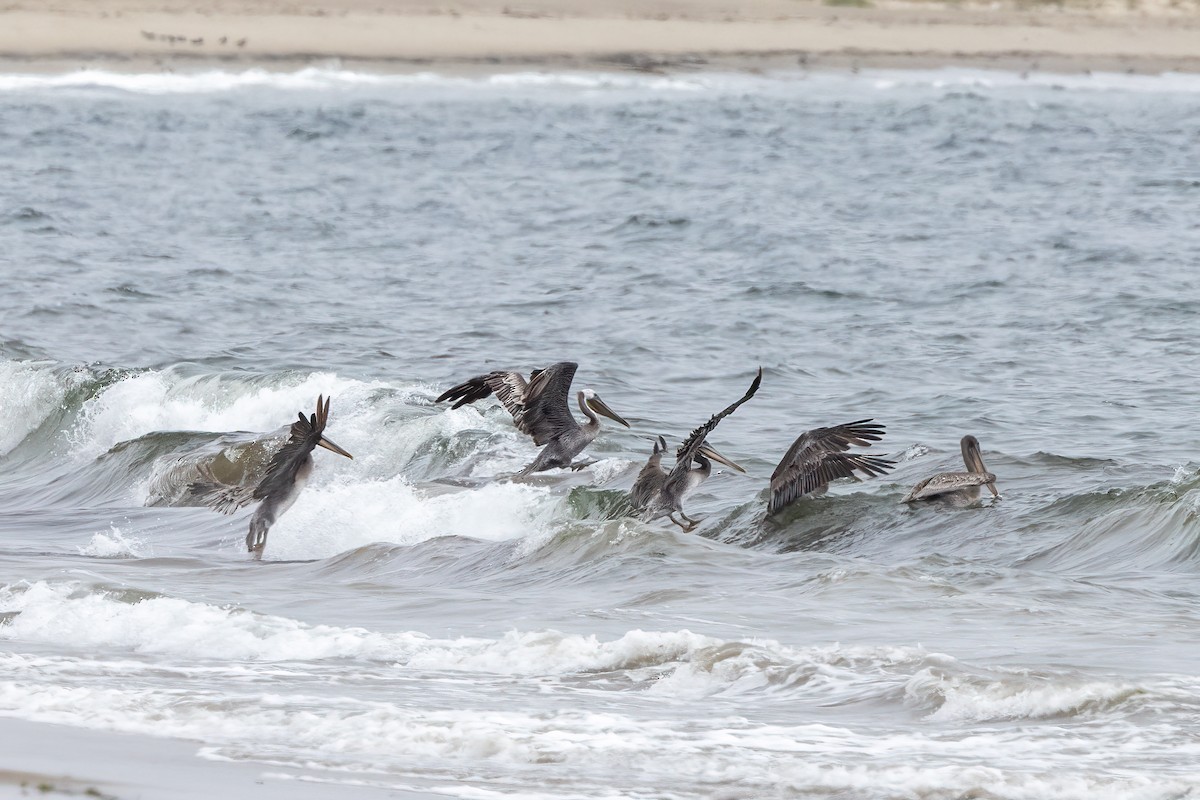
x=658, y=493
x=540, y=408
x=287, y=473
x=958, y=488
x=820, y=456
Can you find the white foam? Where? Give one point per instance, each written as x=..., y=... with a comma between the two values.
x=67, y=615
x=335, y=517
x=952, y=78
x=114, y=544
x=154, y=401
x=607, y=80
x=209, y=81
x=332, y=78
x=831, y=670
x=585, y=751
x=1016, y=696
x=335, y=78
x=602, y=753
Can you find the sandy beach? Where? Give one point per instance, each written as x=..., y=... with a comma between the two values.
x=143, y=34
x=47, y=760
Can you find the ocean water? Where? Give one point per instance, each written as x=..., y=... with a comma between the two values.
x=187, y=261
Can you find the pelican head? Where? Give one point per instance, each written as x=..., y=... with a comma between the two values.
x=708, y=451
x=973, y=459
x=590, y=400
x=315, y=425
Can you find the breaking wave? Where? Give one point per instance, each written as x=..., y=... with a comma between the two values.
x=332, y=77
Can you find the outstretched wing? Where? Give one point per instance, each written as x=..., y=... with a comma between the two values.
x=281, y=471
x=819, y=456
x=221, y=497
x=545, y=413
x=468, y=391
x=509, y=388
x=687, y=450
x=947, y=482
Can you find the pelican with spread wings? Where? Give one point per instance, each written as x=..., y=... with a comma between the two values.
x=658, y=493
x=286, y=475
x=822, y=455
x=540, y=407
x=958, y=488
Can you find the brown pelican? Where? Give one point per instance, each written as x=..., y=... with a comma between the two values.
x=286, y=475
x=657, y=492
x=958, y=488
x=540, y=408
x=819, y=456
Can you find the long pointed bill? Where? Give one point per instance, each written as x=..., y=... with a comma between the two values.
x=720, y=459
x=328, y=445
x=974, y=458
x=992, y=487
x=597, y=405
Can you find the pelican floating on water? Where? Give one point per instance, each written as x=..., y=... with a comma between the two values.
x=540, y=408
x=820, y=456
x=286, y=475
x=958, y=488
x=657, y=492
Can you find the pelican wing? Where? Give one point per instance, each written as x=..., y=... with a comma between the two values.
x=651, y=478
x=510, y=389
x=221, y=497
x=508, y=386
x=648, y=485
x=947, y=482
x=281, y=471
x=546, y=414
x=819, y=456
x=467, y=392
x=687, y=450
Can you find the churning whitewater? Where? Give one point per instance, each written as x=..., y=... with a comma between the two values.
x=191, y=260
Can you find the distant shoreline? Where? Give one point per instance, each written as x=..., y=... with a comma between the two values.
x=681, y=35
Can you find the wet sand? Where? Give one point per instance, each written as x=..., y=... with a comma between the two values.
x=47, y=760
x=140, y=34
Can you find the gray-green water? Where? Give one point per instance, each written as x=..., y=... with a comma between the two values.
x=187, y=261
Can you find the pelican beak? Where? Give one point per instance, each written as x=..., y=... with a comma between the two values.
x=992, y=487
x=715, y=456
x=328, y=445
x=598, y=405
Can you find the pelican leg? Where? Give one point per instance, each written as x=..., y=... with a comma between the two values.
x=687, y=527
x=582, y=463
x=256, y=539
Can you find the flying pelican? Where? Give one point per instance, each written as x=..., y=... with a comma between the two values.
x=958, y=488
x=657, y=492
x=819, y=456
x=286, y=475
x=540, y=408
